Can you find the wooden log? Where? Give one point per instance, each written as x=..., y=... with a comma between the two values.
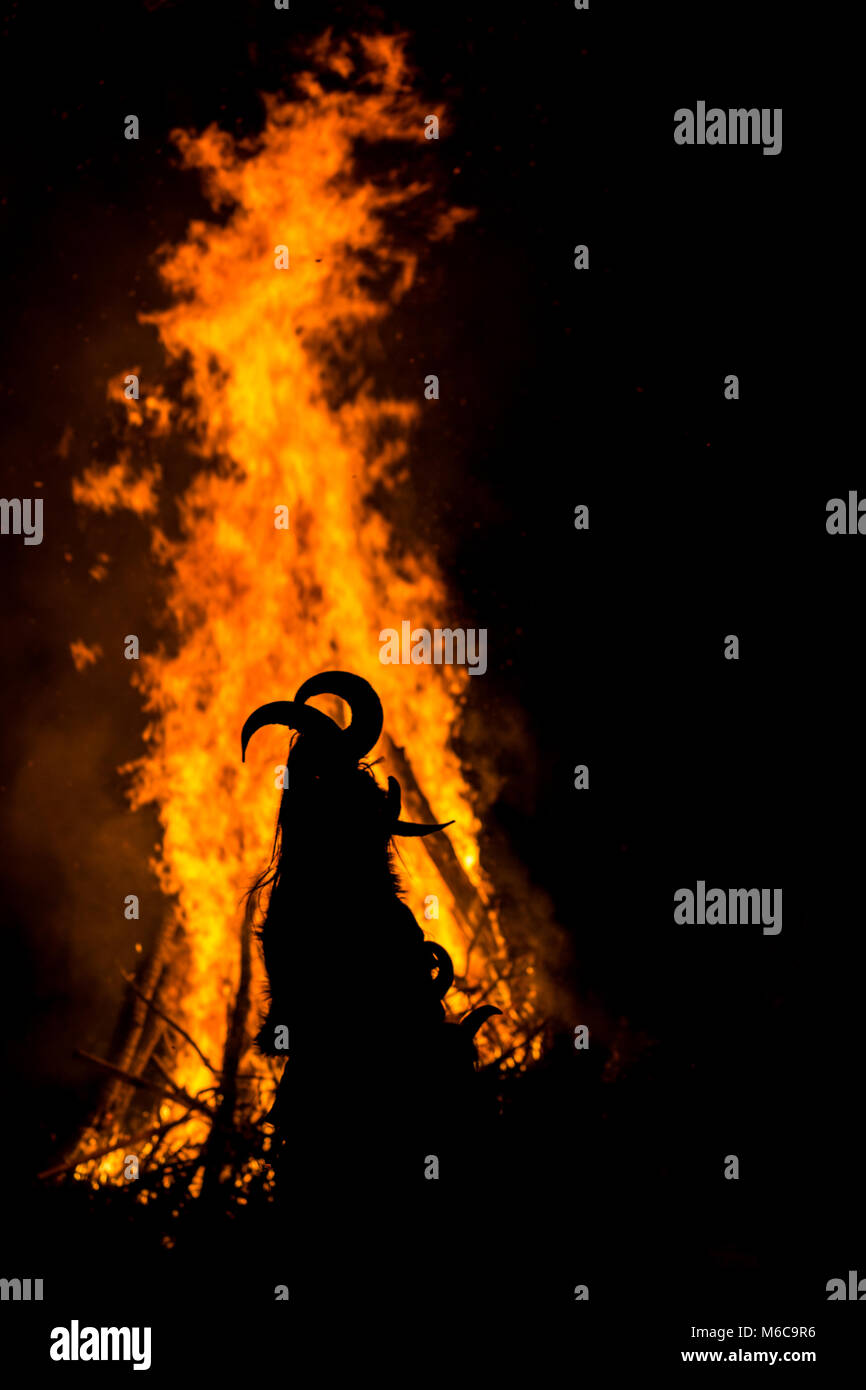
x=217, y=1151
x=469, y=905
x=130, y=980
x=178, y=1095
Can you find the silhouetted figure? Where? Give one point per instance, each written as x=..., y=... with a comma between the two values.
x=378, y=1084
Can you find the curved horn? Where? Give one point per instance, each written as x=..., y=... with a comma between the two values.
x=367, y=717
x=478, y=1017
x=305, y=718
x=440, y=959
x=406, y=827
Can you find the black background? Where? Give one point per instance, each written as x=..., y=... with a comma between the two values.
x=707, y=517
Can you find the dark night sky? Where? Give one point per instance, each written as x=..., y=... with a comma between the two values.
x=707, y=517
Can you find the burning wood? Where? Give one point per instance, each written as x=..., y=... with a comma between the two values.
x=281, y=562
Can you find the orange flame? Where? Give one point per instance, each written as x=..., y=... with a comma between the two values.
x=257, y=609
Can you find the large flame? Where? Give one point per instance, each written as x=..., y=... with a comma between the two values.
x=252, y=610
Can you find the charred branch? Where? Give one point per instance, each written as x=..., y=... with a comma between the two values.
x=173, y=1023
x=177, y=1095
